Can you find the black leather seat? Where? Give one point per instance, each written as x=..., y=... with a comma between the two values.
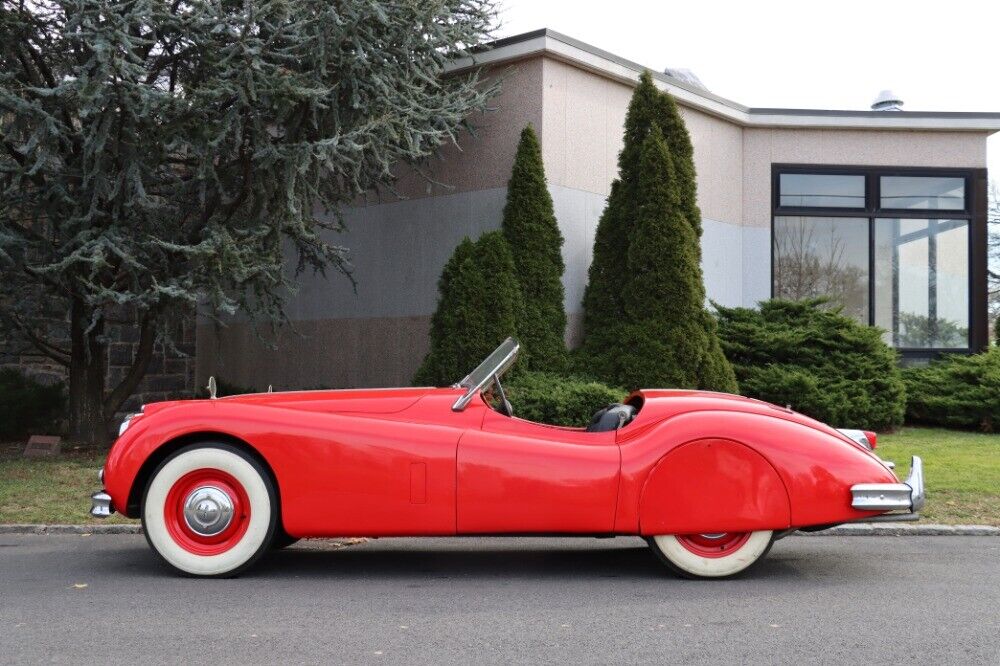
x=611, y=417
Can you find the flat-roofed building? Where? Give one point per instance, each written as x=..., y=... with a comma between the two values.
x=883, y=211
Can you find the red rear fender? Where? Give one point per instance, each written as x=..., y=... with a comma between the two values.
x=816, y=470
x=713, y=485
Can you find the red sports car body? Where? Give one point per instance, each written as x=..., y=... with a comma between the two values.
x=702, y=474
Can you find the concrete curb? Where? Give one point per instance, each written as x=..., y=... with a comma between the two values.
x=850, y=529
x=905, y=529
x=125, y=528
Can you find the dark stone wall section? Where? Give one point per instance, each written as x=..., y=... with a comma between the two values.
x=171, y=373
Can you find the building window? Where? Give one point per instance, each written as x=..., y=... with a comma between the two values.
x=823, y=256
x=922, y=282
x=893, y=247
x=822, y=190
x=922, y=192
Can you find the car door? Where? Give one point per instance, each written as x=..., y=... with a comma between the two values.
x=515, y=476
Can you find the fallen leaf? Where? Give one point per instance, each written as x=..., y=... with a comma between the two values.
x=79, y=586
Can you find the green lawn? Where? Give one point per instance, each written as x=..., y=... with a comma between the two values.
x=962, y=471
x=49, y=490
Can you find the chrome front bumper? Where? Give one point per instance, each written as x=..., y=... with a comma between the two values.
x=908, y=496
x=100, y=502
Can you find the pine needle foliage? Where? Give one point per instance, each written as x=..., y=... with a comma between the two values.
x=548, y=397
x=645, y=324
x=530, y=227
x=957, y=391
x=157, y=155
x=479, y=306
x=815, y=359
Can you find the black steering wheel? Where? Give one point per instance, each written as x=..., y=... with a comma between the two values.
x=504, y=407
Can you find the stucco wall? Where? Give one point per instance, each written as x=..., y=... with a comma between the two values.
x=481, y=160
x=582, y=126
x=763, y=147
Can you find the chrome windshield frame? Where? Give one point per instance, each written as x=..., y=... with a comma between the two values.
x=494, y=366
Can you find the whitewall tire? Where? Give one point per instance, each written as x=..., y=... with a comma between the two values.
x=209, y=510
x=717, y=555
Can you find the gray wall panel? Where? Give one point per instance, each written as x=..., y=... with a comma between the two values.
x=756, y=265
x=721, y=258
x=398, y=250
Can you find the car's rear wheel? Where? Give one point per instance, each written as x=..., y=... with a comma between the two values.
x=209, y=510
x=716, y=555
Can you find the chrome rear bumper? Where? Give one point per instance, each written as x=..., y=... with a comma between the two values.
x=908, y=496
x=100, y=505
x=100, y=502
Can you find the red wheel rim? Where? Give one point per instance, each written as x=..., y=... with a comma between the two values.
x=177, y=524
x=713, y=545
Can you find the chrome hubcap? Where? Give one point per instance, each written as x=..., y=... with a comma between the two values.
x=715, y=535
x=208, y=510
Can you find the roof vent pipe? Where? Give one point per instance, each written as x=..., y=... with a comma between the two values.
x=886, y=101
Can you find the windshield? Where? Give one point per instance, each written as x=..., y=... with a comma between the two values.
x=495, y=365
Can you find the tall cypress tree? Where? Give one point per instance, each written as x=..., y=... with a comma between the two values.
x=479, y=306
x=529, y=225
x=644, y=318
x=602, y=306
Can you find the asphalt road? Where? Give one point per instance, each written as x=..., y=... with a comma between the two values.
x=484, y=601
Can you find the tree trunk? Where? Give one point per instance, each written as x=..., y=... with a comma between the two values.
x=87, y=370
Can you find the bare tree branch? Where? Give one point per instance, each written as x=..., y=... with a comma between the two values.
x=57, y=354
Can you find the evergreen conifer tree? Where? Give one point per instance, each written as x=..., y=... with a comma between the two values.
x=645, y=322
x=160, y=156
x=529, y=225
x=479, y=306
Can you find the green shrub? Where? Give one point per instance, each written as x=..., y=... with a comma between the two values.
x=529, y=225
x=28, y=407
x=957, y=391
x=479, y=305
x=645, y=323
x=822, y=363
x=546, y=397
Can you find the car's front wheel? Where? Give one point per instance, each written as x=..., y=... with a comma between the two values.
x=209, y=510
x=717, y=555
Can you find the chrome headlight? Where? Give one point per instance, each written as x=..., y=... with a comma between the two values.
x=127, y=421
x=125, y=424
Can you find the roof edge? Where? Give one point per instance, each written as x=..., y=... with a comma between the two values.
x=562, y=47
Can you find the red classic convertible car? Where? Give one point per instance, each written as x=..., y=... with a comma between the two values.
x=710, y=480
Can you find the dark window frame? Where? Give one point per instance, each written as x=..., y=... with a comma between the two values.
x=974, y=212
